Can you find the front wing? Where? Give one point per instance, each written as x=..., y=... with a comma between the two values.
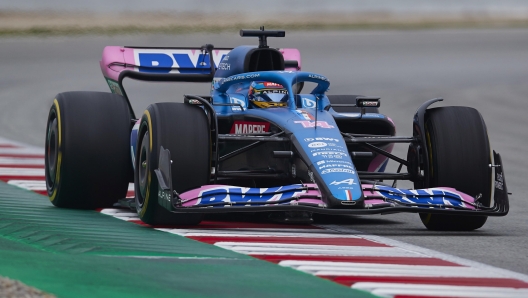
x=307, y=197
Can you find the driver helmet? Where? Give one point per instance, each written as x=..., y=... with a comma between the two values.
x=267, y=94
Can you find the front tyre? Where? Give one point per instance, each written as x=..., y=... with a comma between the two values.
x=183, y=130
x=459, y=154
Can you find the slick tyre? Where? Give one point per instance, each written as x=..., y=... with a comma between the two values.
x=350, y=99
x=460, y=155
x=87, y=161
x=183, y=130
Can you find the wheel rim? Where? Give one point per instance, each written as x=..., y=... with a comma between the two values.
x=143, y=167
x=52, y=150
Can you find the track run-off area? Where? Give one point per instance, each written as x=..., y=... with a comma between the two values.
x=389, y=255
x=374, y=264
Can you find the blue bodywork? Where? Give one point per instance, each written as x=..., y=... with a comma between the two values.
x=319, y=143
x=312, y=129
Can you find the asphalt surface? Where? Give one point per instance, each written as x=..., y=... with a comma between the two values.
x=485, y=69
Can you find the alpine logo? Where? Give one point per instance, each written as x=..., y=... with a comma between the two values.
x=248, y=127
x=309, y=124
x=346, y=181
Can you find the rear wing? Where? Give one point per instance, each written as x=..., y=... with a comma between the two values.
x=170, y=64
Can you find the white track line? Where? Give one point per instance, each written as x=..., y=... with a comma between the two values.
x=393, y=289
x=432, y=253
x=370, y=269
x=252, y=248
x=265, y=232
x=22, y=172
x=222, y=233
x=7, y=161
x=128, y=218
x=21, y=150
x=29, y=184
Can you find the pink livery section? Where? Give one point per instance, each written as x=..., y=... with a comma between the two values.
x=117, y=59
x=376, y=196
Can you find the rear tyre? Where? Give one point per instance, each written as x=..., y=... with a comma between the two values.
x=460, y=155
x=343, y=99
x=183, y=130
x=87, y=163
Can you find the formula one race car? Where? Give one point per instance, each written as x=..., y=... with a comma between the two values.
x=257, y=143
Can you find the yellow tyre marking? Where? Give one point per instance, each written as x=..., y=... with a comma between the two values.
x=59, y=157
x=427, y=218
x=147, y=194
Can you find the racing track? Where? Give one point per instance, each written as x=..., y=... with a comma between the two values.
x=486, y=69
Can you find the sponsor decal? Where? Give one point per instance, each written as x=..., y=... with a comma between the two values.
x=335, y=166
x=233, y=194
x=369, y=103
x=346, y=181
x=499, y=181
x=308, y=103
x=330, y=154
x=345, y=187
x=272, y=85
x=422, y=196
x=114, y=87
x=194, y=102
x=239, y=77
x=310, y=124
x=239, y=101
x=339, y=161
x=327, y=149
x=317, y=144
x=305, y=115
x=224, y=66
x=321, y=139
x=276, y=91
x=319, y=77
x=334, y=145
x=311, y=176
x=337, y=170
x=248, y=127
x=175, y=60
x=163, y=195
x=333, y=155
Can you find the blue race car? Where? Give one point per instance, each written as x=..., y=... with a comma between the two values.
x=260, y=143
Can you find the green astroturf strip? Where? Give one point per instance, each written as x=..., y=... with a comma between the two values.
x=82, y=253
